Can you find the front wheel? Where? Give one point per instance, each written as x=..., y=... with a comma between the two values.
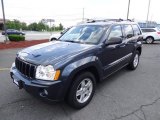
x=82, y=90
x=135, y=61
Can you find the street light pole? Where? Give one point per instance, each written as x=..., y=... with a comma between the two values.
x=128, y=9
x=83, y=15
x=4, y=20
x=148, y=12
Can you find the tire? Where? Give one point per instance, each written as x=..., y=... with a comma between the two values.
x=85, y=83
x=53, y=39
x=149, y=40
x=134, y=62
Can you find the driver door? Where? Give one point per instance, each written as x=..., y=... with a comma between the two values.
x=113, y=54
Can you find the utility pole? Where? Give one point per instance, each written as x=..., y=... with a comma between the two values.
x=128, y=9
x=83, y=15
x=148, y=12
x=4, y=21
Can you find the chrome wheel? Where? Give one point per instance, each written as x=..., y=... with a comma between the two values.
x=84, y=90
x=136, y=60
x=149, y=40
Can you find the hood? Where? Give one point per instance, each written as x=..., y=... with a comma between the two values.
x=52, y=52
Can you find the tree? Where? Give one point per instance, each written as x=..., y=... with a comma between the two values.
x=16, y=24
x=33, y=26
x=60, y=26
x=42, y=26
x=24, y=26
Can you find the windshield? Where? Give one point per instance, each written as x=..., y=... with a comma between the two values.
x=84, y=34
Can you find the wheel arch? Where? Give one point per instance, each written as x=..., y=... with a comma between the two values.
x=149, y=37
x=139, y=49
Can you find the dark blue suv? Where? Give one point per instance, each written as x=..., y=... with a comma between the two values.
x=69, y=68
x=13, y=32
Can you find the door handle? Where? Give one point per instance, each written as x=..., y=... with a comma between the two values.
x=121, y=45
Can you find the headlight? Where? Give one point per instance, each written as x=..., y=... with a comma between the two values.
x=47, y=73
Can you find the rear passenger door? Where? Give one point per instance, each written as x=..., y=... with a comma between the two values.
x=129, y=40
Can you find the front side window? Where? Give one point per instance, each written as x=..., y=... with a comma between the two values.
x=116, y=31
x=84, y=34
x=128, y=31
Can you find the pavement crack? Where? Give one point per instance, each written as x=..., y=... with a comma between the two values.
x=139, y=109
x=138, y=117
x=13, y=102
x=143, y=114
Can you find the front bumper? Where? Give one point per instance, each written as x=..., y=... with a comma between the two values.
x=51, y=90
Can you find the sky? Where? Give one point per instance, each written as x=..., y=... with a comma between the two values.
x=69, y=12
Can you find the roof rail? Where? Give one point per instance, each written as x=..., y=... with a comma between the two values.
x=107, y=20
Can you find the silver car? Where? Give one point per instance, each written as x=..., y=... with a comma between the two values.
x=55, y=36
x=151, y=34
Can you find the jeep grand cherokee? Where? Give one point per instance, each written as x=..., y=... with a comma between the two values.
x=69, y=68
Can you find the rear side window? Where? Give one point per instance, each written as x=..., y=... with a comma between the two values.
x=136, y=30
x=128, y=31
x=148, y=30
x=116, y=31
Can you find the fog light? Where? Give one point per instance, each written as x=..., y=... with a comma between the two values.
x=43, y=93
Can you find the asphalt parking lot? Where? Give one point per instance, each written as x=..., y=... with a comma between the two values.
x=126, y=95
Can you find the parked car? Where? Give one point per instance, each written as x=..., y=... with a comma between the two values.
x=13, y=32
x=55, y=36
x=151, y=34
x=70, y=67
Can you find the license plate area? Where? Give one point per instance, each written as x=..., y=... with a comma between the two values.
x=18, y=83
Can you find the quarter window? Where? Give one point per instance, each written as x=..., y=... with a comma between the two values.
x=128, y=31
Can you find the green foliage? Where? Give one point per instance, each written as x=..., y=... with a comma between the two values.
x=16, y=38
x=60, y=26
x=15, y=24
x=33, y=26
x=40, y=26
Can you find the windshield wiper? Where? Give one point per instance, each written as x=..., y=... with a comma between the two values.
x=72, y=41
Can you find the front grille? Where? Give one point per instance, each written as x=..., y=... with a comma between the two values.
x=25, y=68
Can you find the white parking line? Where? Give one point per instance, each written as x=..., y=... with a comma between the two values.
x=4, y=69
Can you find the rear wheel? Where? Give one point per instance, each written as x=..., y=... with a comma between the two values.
x=149, y=40
x=82, y=90
x=135, y=61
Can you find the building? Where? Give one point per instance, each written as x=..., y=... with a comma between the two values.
x=149, y=24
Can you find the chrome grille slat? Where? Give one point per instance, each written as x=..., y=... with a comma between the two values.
x=25, y=68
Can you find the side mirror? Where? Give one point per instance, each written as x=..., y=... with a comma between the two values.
x=61, y=32
x=129, y=35
x=114, y=40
